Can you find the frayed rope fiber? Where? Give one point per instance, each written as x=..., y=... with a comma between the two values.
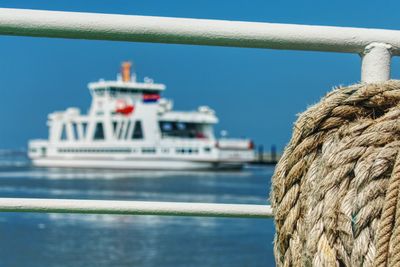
x=335, y=192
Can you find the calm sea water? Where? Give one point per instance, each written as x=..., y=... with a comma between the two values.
x=107, y=240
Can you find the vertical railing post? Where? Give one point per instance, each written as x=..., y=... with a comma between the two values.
x=376, y=60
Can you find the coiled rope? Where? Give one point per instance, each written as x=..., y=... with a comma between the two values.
x=336, y=188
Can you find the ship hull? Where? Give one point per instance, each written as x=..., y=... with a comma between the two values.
x=133, y=164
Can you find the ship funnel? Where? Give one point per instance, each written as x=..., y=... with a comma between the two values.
x=126, y=71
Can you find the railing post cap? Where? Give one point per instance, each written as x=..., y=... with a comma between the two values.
x=374, y=45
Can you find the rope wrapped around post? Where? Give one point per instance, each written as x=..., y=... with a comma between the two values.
x=335, y=192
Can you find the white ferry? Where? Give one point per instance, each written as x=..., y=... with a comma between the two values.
x=129, y=126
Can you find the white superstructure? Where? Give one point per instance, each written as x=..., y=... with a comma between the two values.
x=129, y=126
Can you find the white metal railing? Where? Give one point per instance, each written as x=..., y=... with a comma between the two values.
x=376, y=47
x=192, y=31
x=134, y=208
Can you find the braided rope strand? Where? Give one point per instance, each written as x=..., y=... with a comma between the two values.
x=335, y=190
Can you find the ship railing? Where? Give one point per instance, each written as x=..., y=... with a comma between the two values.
x=119, y=207
x=375, y=46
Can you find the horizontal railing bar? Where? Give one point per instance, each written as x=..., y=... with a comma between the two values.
x=192, y=31
x=134, y=208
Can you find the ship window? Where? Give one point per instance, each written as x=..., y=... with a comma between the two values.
x=63, y=132
x=99, y=132
x=181, y=126
x=75, y=130
x=127, y=130
x=113, y=91
x=187, y=150
x=148, y=150
x=114, y=125
x=100, y=91
x=44, y=150
x=121, y=128
x=165, y=150
x=181, y=129
x=166, y=126
x=84, y=127
x=103, y=150
x=192, y=150
x=207, y=149
x=137, y=131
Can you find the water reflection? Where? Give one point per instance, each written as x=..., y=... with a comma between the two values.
x=117, y=240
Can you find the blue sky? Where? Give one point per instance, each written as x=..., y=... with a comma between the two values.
x=256, y=92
